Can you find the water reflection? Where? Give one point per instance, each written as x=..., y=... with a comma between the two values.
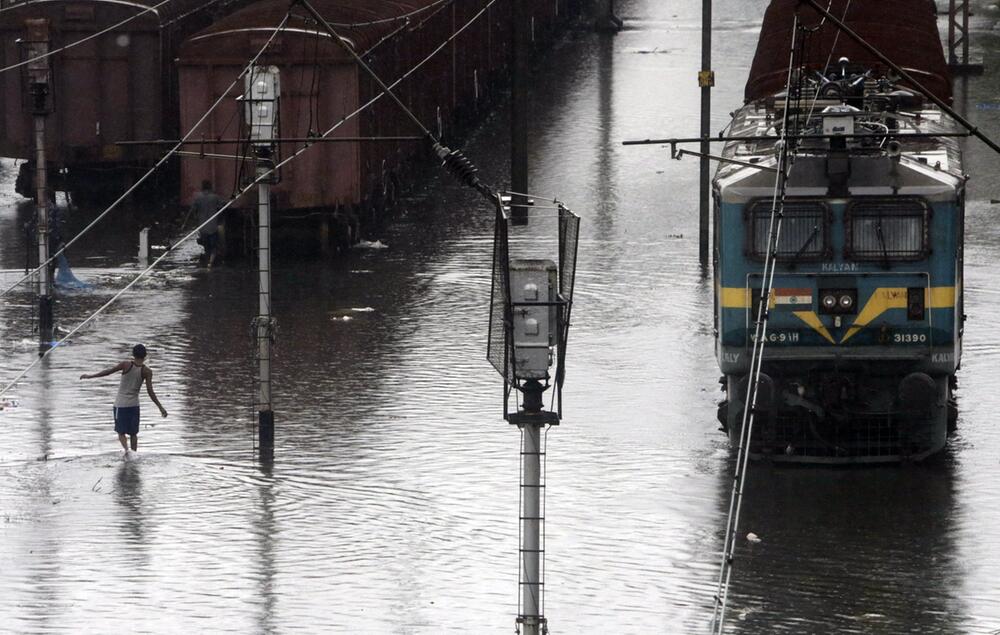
x=265, y=529
x=45, y=406
x=604, y=197
x=128, y=494
x=847, y=550
x=44, y=551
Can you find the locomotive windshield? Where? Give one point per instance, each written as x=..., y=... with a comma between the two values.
x=887, y=230
x=804, y=230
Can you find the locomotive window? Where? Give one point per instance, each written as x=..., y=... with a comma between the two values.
x=804, y=231
x=887, y=230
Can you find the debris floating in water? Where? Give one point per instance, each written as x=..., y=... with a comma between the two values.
x=752, y=537
x=371, y=244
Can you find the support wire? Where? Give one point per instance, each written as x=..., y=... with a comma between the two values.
x=756, y=363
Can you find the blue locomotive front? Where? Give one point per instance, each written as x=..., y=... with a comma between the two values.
x=864, y=315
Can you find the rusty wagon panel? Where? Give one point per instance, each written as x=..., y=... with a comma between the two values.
x=321, y=84
x=119, y=86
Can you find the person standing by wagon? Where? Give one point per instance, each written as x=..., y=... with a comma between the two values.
x=206, y=203
x=126, y=409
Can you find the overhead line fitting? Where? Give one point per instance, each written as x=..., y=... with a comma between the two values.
x=462, y=168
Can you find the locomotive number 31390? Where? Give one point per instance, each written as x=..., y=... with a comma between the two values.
x=909, y=338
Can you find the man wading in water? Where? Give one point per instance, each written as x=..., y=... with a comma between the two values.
x=127, y=402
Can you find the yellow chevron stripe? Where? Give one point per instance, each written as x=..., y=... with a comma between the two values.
x=940, y=298
x=734, y=297
x=811, y=319
x=885, y=298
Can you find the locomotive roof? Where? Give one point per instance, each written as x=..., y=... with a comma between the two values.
x=905, y=31
x=925, y=166
x=363, y=23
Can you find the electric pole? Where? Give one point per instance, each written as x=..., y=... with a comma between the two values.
x=608, y=21
x=262, y=89
x=529, y=325
x=706, y=79
x=519, y=112
x=958, y=39
x=41, y=105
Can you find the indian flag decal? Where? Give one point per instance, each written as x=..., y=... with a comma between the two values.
x=793, y=298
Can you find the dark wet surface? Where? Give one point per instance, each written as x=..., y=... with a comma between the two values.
x=392, y=505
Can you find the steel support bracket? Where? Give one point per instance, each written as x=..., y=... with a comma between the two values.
x=542, y=418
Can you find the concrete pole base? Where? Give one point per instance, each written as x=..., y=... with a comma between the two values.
x=45, y=324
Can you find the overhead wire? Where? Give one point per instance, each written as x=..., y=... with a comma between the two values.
x=756, y=363
x=396, y=18
x=155, y=167
x=261, y=177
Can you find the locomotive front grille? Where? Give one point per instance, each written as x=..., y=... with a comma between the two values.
x=870, y=436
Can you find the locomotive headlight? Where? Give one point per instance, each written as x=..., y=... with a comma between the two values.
x=838, y=301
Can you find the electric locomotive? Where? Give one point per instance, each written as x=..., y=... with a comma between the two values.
x=864, y=318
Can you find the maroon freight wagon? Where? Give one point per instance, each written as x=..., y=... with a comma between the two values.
x=329, y=189
x=116, y=87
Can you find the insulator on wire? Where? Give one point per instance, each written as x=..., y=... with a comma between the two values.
x=458, y=164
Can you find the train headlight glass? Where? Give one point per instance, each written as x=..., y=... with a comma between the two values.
x=838, y=301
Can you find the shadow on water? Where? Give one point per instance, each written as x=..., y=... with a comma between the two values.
x=846, y=549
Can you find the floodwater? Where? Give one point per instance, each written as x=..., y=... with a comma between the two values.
x=392, y=504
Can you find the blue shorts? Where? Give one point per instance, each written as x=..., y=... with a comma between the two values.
x=210, y=242
x=127, y=420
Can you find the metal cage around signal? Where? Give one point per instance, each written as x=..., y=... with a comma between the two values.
x=530, y=320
